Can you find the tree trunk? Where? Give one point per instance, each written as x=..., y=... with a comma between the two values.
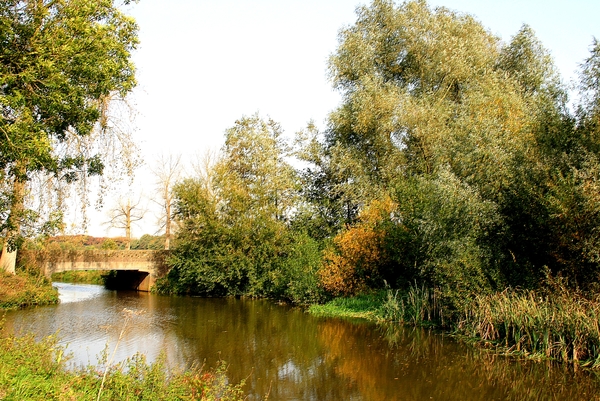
x=168, y=224
x=128, y=235
x=8, y=259
x=128, y=225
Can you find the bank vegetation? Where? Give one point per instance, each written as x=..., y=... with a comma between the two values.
x=39, y=370
x=24, y=289
x=459, y=174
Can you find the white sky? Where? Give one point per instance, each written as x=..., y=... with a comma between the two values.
x=202, y=64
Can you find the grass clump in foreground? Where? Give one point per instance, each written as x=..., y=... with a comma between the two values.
x=25, y=289
x=31, y=370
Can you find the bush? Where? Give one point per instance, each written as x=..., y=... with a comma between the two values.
x=441, y=237
x=299, y=276
x=25, y=289
x=357, y=257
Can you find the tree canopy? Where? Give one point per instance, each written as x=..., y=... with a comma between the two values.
x=60, y=61
x=455, y=160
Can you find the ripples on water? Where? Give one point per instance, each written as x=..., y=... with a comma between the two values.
x=291, y=355
x=77, y=292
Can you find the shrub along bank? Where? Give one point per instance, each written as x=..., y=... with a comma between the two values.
x=25, y=289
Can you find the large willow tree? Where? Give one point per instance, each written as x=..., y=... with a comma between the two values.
x=471, y=136
x=60, y=61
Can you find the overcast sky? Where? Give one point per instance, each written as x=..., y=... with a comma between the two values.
x=202, y=64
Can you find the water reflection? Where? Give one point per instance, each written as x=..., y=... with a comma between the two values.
x=290, y=355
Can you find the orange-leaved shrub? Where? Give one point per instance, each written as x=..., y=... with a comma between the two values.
x=354, y=258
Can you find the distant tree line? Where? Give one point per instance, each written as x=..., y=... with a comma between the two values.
x=87, y=242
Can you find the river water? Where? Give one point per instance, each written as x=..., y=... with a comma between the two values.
x=288, y=354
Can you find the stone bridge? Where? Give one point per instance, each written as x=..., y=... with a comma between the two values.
x=134, y=269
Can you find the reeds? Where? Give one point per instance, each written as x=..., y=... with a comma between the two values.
x=560, y=325
x=416, y=306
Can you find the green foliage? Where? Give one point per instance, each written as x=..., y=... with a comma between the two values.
x=109, y=244
x=61, y=60
x=31, y=370
x=234, y=233
x=147, y=241
x=443, y=237
x=298, y=279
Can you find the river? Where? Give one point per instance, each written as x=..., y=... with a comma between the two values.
x=288, y=354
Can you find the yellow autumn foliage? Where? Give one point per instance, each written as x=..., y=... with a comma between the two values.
x=357, y=252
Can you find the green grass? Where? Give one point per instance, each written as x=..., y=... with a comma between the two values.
x=365, y=306
x=416, y=306
x=31, y=370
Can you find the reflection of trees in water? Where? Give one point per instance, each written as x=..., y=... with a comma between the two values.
x=275, y=348
x=293, y=355
x=468, y=373
x=529, y=380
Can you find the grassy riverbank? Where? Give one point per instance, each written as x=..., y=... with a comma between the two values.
x=31, y=370
x=25, y=289
x=560, y=324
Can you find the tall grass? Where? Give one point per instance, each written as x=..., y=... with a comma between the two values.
x=556, y=323
x=561, y=325
x=416, y=306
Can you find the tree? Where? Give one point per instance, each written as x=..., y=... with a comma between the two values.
x=167, y=171
x=331, y=187
x=234, y=216
x=253, y=172
x=432, y=101
x=124, y=214
x=60, y=60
